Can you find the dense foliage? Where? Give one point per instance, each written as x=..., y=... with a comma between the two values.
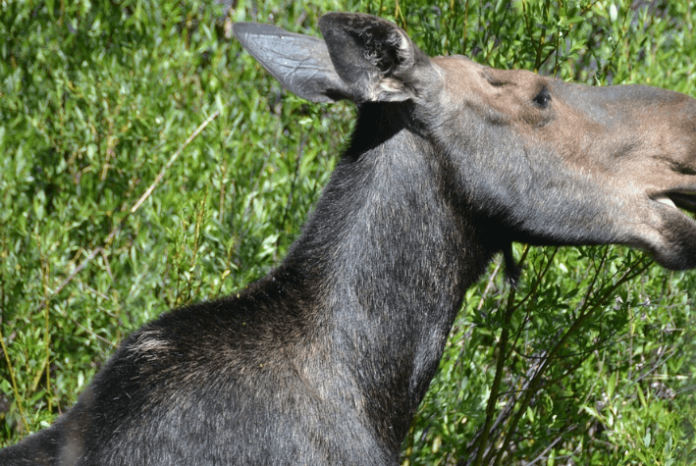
x=590, y=361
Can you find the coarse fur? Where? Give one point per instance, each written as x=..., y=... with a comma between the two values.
x=325, y=360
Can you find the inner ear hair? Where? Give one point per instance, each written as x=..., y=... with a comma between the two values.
x=398, y=55
x=372, y=56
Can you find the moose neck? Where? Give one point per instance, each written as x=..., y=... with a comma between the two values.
x=391, y=256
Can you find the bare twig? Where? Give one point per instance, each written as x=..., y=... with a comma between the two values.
x=77, y=269
x=551, y=445
x=174, y=156
x=489, y=285
x=132, y=210
x=500, y=366
x=553, y=354
x=14, y=382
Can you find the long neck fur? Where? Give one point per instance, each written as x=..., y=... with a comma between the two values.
x=389, y=255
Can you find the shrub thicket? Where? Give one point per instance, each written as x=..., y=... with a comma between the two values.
x=589, y=362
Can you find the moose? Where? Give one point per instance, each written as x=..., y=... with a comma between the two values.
x=325, y=360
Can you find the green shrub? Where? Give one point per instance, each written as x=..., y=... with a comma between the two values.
x=98, y=98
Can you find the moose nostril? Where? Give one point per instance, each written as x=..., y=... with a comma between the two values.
x=684, y=170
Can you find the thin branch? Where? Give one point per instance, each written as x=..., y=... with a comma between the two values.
x=173, y=158
x=500, y=367
x=77, y=270
x=489, y=285
x=590, y=288
x=132, y=210
x=553, y=354
x=547, y=449
x=14, y=382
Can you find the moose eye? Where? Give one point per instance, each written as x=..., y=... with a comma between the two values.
x=542, y=99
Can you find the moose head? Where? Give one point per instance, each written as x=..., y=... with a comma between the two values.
x=546, y=162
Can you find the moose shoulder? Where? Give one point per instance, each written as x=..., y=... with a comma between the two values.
x=326, y=359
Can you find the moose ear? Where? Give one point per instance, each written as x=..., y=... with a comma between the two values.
x=301, y=63
x=374, y=58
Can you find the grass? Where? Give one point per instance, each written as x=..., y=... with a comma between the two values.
x=101, y=101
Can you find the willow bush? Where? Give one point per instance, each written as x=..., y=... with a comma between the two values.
x=589, y=361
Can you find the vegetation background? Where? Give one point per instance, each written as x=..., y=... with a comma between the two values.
x=590, y=361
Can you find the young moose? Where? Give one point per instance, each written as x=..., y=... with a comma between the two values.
x=325, y=360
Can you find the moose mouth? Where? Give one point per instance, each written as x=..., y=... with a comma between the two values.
x=681, y=199
x=684, y=200
x=674, y=246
